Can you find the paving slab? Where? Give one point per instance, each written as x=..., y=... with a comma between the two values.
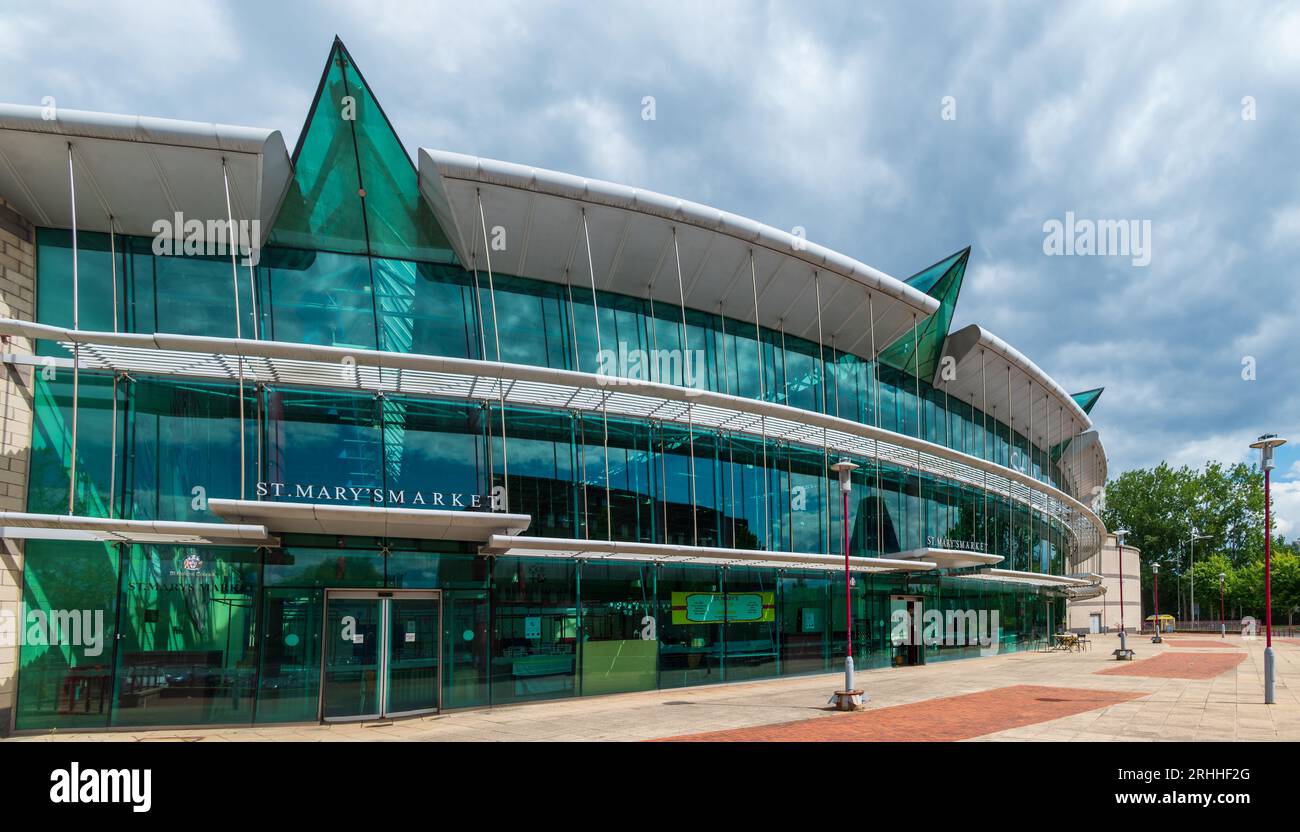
x=1225, y=706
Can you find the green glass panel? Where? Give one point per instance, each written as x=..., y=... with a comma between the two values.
x=94, y=282
x=434, y=450
x=941, y=281
x=427, y=309
x=187, y=651
x=289, y=684
x=300, y=566
x=51, y=450
x=195, y=295
x=690, y=644
x=752, y=623
x=317, y=297
x=323, y=207
x=353, y=640
x=355, y=188
x=323, y=447
x=620, y=651
x=413, y=645
x=805, y=637
x=433, y=564
x=65, y=658
x=1087, y=399
x=398, y=219
x=184, y=443
x=535, y=629
x=466, y=646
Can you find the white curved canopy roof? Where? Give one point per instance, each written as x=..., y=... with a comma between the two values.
x=1036, y=399
x=631, y=233
x=1085, y=467
x=137, y=169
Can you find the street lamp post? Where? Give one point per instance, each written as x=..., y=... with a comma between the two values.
x=1191, y=573
x=1223, y=621
x=850, y=698
x=1120, y=534
x=1155, y=571
x=1266, y=444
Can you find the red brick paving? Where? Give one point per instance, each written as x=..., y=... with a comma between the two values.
x=1194, y=642
x=1179, y=666
x=933, y=720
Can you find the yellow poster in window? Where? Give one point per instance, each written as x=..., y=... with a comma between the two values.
x=717, y=608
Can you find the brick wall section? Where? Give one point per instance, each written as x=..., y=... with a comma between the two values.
x=17, y=300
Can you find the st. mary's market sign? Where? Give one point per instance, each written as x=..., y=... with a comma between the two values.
x=352, y=495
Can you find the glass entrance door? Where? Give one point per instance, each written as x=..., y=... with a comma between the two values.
x=382, y=654
x=905, y=617
x=412, y=668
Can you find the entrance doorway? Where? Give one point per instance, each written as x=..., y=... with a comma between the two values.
x=1094, y=622
x=383, y=653
x=905, y=625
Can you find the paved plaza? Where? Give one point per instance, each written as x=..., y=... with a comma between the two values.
x=1189, y=688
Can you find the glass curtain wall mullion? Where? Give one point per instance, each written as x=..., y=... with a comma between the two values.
x=765, y=543
x=604, y=407
x=686, y=364
x=920, y=434
x=875, y=420
x=496, y=330
x=824, y=480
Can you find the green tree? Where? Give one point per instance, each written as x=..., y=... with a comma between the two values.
x=1162, y=505
x=1205, y=575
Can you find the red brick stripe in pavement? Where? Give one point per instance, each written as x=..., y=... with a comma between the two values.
x=1179, y=665
x=1205, y=642
x=944, y=719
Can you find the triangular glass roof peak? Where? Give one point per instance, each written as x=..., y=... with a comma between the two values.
x=1087, y=399
x=942, y=281
x=354, y=188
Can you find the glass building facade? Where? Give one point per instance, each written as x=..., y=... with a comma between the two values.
x=210, y=635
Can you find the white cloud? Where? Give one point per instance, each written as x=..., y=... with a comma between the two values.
x=1286, y=226
x=829, y=119
x=1226, y=448
x=1286, y=507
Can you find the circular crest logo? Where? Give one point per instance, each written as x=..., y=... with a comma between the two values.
x=193, y=563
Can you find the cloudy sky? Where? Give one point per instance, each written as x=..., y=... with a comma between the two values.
x=831, y=117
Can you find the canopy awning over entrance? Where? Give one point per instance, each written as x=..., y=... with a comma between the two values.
x=1011, y=576
x=950, y=558
x=23, y=526
x=372, y=521
x=137, y=170
x=669, y=553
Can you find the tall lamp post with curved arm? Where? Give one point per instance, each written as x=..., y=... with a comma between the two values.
x=1266, y=444
x=1191, y=573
